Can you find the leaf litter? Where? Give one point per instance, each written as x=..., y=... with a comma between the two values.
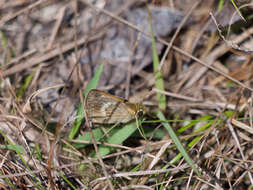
x=63, y=43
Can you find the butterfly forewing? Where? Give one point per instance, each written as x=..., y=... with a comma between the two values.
x=102, y=107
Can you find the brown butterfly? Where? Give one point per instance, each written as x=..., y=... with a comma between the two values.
x=104, y=108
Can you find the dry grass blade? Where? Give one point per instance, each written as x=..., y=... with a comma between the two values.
x=242, y=126
x=27, y=107
x=240, y=149
x=196, y=132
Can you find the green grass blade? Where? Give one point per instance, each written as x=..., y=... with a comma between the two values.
x=18, y=148
x=220, y=4
x=237, y=10
x=67, y=181
x=161, y=98
x=177, y=142
x=94, y=81
x=97, y=133
x=193, y=123
x=24, y=86
x=38, y=152
x=4, y=41
x=80, y=112
x=118, y=137
x=35, y=181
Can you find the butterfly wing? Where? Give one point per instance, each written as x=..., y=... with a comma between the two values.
x=104, y=108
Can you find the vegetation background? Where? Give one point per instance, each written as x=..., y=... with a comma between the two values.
x=188, y=62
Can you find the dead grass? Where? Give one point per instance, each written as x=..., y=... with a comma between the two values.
x=51, y=50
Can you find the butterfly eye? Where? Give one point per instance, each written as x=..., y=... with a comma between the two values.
x=140, y=113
